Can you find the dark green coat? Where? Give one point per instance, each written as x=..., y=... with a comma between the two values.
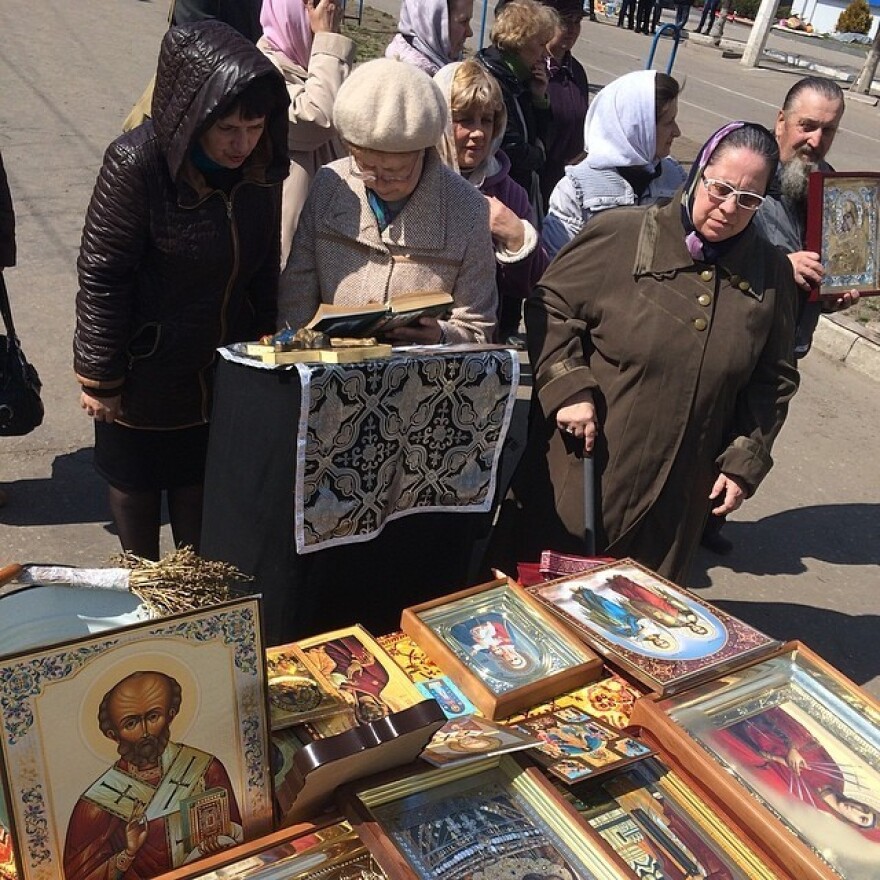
x=691, y=368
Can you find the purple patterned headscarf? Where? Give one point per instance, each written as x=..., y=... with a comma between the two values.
x=696, y=245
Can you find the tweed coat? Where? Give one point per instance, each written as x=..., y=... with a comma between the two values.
x=440, y=240
x=691, y=369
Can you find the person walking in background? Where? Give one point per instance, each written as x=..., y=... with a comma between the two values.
x=662, y=345
x=628, y=134
x=243, y=15
x=569, y=92
x=710, y=7
x=7, y=242
x=645, y=16
x=516, y=58
x=179, y=255
x=431, y=33
x=627, y=11
x=471, y=146
x=303, y=41
x=682, y=13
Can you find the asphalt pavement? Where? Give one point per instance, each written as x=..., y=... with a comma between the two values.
x=807, y=547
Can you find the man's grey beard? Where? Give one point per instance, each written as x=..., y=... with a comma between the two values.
x=795, y=178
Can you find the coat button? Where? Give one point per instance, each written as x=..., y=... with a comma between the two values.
x=744, y=286
x=700, y=323
x=704, y=299
x=707, y=275
x=735, y=279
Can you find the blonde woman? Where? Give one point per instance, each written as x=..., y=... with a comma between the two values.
x=517, y=59
x=476, y=126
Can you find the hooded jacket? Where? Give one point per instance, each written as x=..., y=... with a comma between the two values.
x=169, y=267
x=527, y=124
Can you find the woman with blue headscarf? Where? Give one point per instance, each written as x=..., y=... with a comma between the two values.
x=661, y=341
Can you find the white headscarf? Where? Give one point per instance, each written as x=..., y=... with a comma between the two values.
x=425, y=23
x=490, y=166
x=621, y=125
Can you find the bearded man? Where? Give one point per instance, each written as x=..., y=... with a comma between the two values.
x=162, y=804
x=805, y=130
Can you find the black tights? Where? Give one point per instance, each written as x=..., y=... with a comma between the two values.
x=138, y=518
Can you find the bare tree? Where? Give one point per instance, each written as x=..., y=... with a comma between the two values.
x=862, y=85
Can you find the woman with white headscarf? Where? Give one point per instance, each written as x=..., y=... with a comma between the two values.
x=431, y=33
x=303, y=41
x=628, y=134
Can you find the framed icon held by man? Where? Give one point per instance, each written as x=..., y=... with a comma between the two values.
x=843, y=227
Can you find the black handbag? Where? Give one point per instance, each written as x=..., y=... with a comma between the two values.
x=21, y=409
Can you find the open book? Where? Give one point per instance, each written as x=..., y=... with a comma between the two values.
x=377, y=319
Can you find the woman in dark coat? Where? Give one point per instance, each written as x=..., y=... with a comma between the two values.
x=661, y=342
x=519, y=37
x=180, y=254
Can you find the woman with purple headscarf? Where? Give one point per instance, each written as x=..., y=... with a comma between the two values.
x=303, y=41
x=431, y=33
x=661, y=341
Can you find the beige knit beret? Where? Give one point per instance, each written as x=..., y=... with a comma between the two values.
x=390, y=106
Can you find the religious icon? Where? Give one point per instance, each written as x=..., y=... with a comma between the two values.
x=165, y=759
x=574, y=745
x=139, y=810
x=363, y=673
x=496, y=645
x=781, y=735
x=498, y=823
x=298, y=690
x=661, y=634
x=844, y=228
x=502, y=649
x=467, y=739
x=662, y=830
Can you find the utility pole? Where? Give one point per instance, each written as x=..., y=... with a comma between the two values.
x=760, y=32
x=862, y=85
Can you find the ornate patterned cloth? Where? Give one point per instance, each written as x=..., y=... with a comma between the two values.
x=418, y=432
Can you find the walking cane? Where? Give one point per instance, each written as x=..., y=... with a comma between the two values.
x=589, y=505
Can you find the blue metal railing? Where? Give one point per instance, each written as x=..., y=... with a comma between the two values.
x=676, y=37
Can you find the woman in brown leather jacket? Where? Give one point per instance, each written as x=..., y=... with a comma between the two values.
x=179, y=255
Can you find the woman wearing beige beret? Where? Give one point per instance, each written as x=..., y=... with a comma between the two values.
x=392, y=218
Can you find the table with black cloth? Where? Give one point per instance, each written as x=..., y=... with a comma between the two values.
x=348, y=491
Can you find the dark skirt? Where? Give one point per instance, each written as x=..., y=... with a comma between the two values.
x=139, y=460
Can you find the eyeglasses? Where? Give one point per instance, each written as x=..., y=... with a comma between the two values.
x=368, y=174
x=719, y=191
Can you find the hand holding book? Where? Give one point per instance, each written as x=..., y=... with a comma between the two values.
x=408, y=318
